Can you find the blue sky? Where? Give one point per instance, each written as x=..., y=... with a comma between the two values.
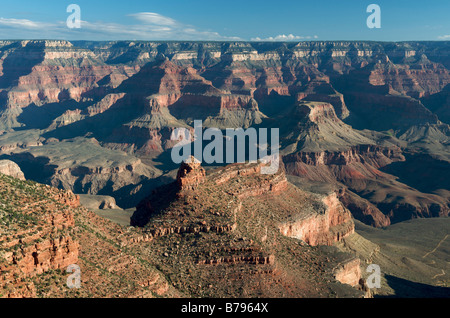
x=401, y=20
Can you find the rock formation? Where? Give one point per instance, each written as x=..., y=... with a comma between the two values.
x=237, y=214
x=10, y=168
x=190, y=174
x=325, y=229
x=36, y=234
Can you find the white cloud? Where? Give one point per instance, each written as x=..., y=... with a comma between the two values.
x=444, y=37
x=283, y=37
x=153, y=18
x=23, y=23
x=148, y=26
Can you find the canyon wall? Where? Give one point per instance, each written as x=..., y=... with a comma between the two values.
x=39, y=240
x=10, y=168
x=322, y=229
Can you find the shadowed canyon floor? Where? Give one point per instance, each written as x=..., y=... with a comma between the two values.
x=413, y=256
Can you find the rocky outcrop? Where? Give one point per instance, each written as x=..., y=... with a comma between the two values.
x=39, y=237
x=363, y=210
x=349, y=272
x=324, y=228
x=10, y=168
x=324, y=92
x=190, y=174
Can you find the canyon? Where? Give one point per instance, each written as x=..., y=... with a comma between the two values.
x=364, y=137
x=63, y=104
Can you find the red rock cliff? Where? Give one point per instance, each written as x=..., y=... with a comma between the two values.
x=322, y=228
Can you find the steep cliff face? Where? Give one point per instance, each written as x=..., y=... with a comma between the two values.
x=389, y=112
x=10, y=168
x=376, y=156
x=36, y=234
x=322, y=229
x=45, y=255
x=439, y=103
x=55, y=72
x=363, y=210
x=350, y=273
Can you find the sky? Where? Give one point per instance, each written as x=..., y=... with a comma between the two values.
x=226, y=20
